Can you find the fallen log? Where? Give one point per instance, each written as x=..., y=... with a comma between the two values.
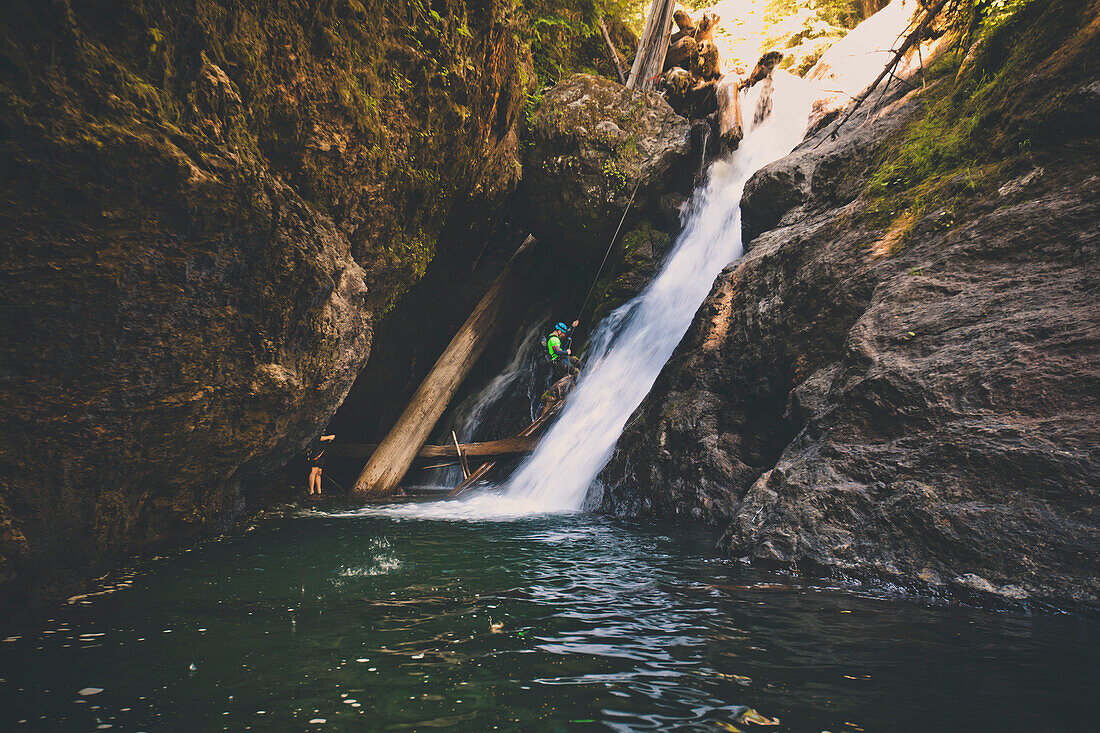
x=397, y=451
x=704, y=62
x=650, y=58
x=706, y=27
x=683, y=21
x=730, y=128
x=487, y=449
x=763, y=69
x=680, y=53
x=677, y=84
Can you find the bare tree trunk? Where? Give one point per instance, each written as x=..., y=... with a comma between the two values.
x=730, y=128
x=650, y=59
x=614, y=54
x=395, y=454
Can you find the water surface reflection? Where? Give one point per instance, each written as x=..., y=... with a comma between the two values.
x=550, y=623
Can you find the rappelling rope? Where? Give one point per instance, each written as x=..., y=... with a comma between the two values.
x=608, y=252
x=330, y=478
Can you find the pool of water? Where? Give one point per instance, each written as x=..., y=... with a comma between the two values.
x=540, y=624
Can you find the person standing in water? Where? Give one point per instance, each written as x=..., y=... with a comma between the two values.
x=315, y=454
x=561, y=356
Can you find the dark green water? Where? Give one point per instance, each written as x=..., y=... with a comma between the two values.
x=370, y=623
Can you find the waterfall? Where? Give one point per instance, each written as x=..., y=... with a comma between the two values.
x=630, y=347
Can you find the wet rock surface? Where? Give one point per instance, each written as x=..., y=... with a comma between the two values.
x=913, y=402
x=593, y=143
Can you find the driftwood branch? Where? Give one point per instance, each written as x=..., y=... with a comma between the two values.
x=447, y=453
x=461, y=460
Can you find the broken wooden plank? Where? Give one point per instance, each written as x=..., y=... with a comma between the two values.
x=397, y=451
x=489, y=465
x=461, y=460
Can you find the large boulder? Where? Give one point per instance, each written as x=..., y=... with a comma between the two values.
x=594, y=142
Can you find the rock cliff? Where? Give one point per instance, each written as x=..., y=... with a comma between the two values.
x=206, y=207
x=900, y=380
x=595, y=147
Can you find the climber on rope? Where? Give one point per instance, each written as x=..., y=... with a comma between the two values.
x=561, y=356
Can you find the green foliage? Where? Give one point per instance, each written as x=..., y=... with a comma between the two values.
x=563, y=35
x=614, y=175
x=838, y=13
x=989, y=15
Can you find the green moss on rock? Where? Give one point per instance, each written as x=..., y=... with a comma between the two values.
x=992, y=112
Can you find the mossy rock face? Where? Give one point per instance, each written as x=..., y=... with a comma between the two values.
x=593, y=143
x=641, y=251
x=206, y=207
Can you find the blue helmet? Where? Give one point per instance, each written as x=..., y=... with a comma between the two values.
x=561, y=327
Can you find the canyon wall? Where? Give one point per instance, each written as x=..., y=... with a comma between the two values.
x=206, y=208
x=900, y=380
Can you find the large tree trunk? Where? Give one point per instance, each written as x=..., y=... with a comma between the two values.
x=650, y=59
x=395, y=454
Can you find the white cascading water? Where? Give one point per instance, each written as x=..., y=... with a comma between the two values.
x=616, y=379
x=630, y=347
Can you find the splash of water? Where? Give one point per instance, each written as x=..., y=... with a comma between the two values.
x=630, y=347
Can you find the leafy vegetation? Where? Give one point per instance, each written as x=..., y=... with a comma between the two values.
x=804, y=29
x=564, y=35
